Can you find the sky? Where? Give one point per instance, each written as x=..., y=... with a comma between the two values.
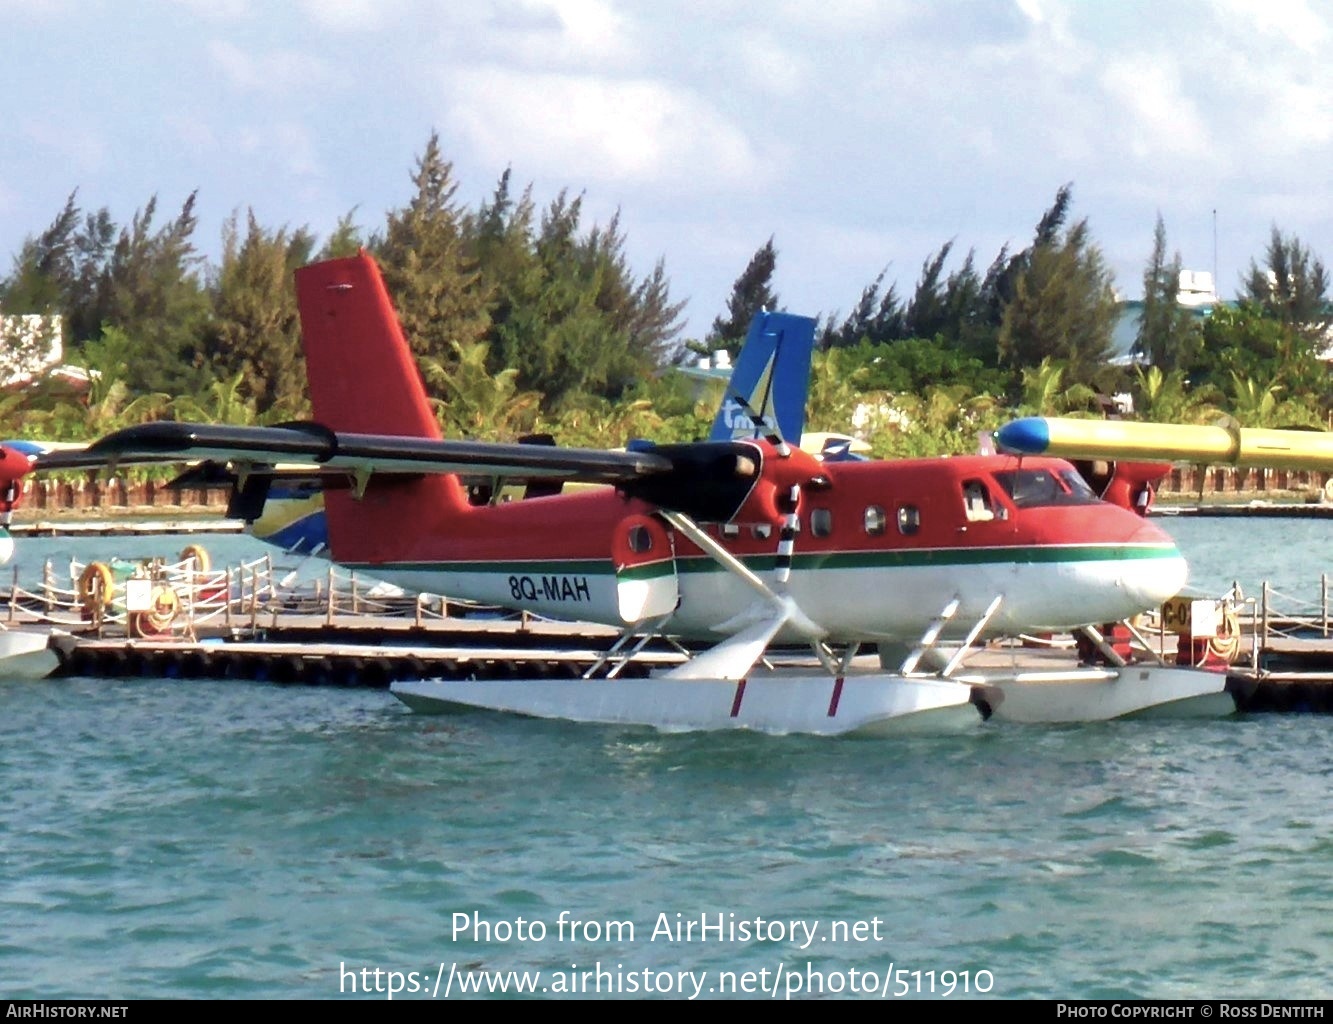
x=860, y=135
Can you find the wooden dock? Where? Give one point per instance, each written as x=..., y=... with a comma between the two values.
x=124, y=527
x=1250, y=510
x=242, y=623
x=364, y=652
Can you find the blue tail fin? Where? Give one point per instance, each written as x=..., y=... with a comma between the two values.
x=768, y=387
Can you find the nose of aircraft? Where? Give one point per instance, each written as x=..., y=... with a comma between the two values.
x=1152, y=580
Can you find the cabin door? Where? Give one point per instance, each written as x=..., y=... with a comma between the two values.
x=643, y=550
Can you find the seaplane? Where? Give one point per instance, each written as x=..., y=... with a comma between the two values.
x=789, y=569
x=23, y=652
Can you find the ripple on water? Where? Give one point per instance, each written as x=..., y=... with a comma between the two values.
x=192, y=839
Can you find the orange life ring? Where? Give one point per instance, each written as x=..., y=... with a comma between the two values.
x=1226, y=645
x=97, y=584
x=158, y=618
x=200, y=556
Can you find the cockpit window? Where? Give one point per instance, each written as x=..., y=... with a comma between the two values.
x=1032, y=488
x=1077, y=485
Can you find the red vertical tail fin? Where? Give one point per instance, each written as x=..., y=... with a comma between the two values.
x=364, y=380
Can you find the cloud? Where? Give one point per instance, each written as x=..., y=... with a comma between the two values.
x=76, y=144
x=217, y=10
x=769, y=67
x=351, y=15
x=1291, y=21
x=194, y=134
x=276, y=71
x=1157, y=119
x=599, y=129
x=590, y=29
x=287, y=145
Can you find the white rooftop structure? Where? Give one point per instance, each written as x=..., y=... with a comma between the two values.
x=31, y=345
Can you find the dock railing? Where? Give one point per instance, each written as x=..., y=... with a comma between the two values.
x=1283, y=626
x=1281, y=614
x=106, y=598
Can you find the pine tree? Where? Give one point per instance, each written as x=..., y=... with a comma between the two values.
x=877, y=318
x=45, y=268
x=1064, y=308
x=255, y=329
x=1291, y=287
x=149, y=287
x=437, y=290
x=1167, y=335
x=926, y=312
x=751, y=294
x=346, y=239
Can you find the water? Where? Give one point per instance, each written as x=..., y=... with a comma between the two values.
x=173, y=838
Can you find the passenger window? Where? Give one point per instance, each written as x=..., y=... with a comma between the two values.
x=821, y=522
x=730, y=530
x=977, y=502
x=875, y=520
x=909, y=519
x=761, y=531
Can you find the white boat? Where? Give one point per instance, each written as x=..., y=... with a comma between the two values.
x=26, y=653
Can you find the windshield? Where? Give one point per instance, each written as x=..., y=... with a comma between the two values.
x=1032, y=488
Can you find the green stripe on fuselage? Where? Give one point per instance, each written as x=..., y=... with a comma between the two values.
x=901, y=558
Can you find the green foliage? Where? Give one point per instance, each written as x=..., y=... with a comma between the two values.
x=1064, y=308
x=527, y=319
x=915, y=364
x=475, y=402
x=1261, y=403
x=437, y=289
x=346, y=239
x=945, y=420
x=1045, y=391
x=1244, y=342
x=224, y=402
x=594, y=422
x=1168, y=333
x=837, y=386
x=1292, y=287
x=46, y=268
x=566, y=311
x=254, y=335
x=1167, y=397
x=877, y=318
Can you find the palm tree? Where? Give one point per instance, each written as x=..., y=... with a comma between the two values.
x=594, y=421
x=222, y=404
x=476, y=402
x=1258, y=404
x=1045, y=395
x=1167, y=398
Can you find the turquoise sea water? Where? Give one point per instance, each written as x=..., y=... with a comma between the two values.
x=172, y=838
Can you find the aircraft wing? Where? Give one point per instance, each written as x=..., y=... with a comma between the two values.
x=1138, y=439
x=709, y=480
x=330, y=453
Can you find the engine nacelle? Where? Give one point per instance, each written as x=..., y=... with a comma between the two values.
x=14, y=466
